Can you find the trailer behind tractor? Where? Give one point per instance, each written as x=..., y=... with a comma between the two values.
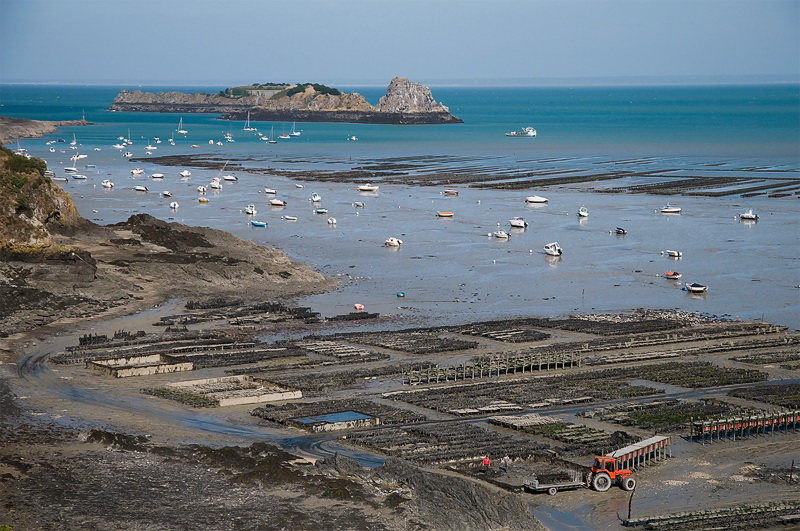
x=603, y=473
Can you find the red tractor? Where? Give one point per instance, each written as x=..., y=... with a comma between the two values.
x=604, y=472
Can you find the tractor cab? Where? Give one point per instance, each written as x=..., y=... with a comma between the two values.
x=605, y=464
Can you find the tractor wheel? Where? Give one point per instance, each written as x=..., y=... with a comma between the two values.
x=628, y=483
x=601, y=482
x=552, y=491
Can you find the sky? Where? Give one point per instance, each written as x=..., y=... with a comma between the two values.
x=369, y=42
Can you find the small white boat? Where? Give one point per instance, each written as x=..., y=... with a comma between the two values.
x=140, y=188
x=535, y=199
x=180, y=129
x=583, y=212
x=230, y=178
x=70, y=169
x=444, y=214
x=294, y=132
x=258, y=223
x=166, y=193
x=250, y=210
x=518, y=223
x=185, y=173
x=620, y=231
x=289, y=218
x=321, y=211
x=353, y=138
x=137, y=171
x=79, y=176
x=173, y=205
x=450, y=193
x=525, y=131
x=277, y=203
x=359, y=204
x=127, y=154
x=331, y=221
x=748, y=215
x=672, y=254
x=157, y=176
x=202, y=200
x=393, y=242
x=501, y=234
x=247, y=126
x=270, y=191
x=202, y=189
x=150, y=148
x=316, y=198
x=118, y=146
x=216, y=185
x=696, y=288
x=553, y=249
x=298, y=185
x=669, y=209
x=368, y=188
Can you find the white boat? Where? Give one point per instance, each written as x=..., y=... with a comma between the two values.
x=359, y=204
x=320, y=211
x=137, y=171
x=180, y=129
x=525, y=131
x=294, y=132
x=331, y=221
x=107, y=184
x=173, y=205
x=118, y=146
x=74, y=140
x=620, y=231
x=270, y=191
x=271, y=140
x=535, y=199
x=583, y=212
x=672, y=275
x=150, y=147
x=289, y=218
x=672, y=254
x=277, y=203
x=669, y=209
x=368, y=188
x=316, y=198
x=157, y=176
x=216, y=185
x=202, y=189
x=71, y=169
x=140, y=188
x=127, y=154
x=166, y=193
x=393, y=242
x=748, y=215
x=450, y=193
x=694, y=287
x=250, y=210
x=258, y=223
x=247, y=126
x=185, y=173
x=79, y=176
x=230, y=178
x=501, y=234
x=553, y=249
x=284, y=136
x=298, y=185
x=354, y=138
x=518, y=223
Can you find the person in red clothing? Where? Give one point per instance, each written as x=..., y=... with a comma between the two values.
x=486, y=463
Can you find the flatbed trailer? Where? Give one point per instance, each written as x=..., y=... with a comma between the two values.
x=576, y=482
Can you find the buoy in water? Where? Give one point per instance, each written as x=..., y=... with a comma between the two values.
x=401, y=294
x=359, y=307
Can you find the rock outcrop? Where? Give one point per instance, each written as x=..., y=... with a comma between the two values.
x=405, y=102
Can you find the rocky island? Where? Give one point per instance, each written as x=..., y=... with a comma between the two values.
x=405, y=103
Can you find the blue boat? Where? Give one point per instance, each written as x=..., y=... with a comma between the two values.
x=258, y=223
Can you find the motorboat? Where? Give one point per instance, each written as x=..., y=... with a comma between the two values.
x=107, y=184
x=79, y=176
x=215, y=184
x=70, y=169
x=316, y=198
x=672, y=254
x=393, y=242
x=620, y=230
x=748, y=215
x=359, y=204
x=289, y=218
x=173, y=205
x=450, y=193
x=157, y=176
x=166, y=193
x=185, y=173
x=258, y=223
x=672, y=275
x=250, y=210
x=669, y=209
x=202, y=189
x=501, y=234
x=320, y=211
x=535, y=199
x=137, y=171
x=230, y=178
x=270, y=191
x=298, y=185
x=277, y=203
x=518, y=223
x=331, y=221
x=694, y=287
x=368, y=188
x=553, y=249
x=525, y=131
x=583, y=212
x=444, y=214
x=352, y=138
x=202, y=200
x=140, y=188
x=127, y=154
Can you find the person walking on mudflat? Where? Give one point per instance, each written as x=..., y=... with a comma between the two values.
x=486, y=463
x=506, y=461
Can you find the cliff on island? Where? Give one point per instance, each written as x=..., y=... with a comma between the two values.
x=405, y=102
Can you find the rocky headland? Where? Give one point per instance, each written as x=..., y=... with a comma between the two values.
x=405, y=103
x=11, y=128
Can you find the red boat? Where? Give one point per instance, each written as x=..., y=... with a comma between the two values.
x=674, y=275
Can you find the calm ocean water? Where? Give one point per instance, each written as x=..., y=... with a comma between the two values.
x=449, y=270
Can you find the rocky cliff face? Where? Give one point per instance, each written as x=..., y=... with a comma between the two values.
x=405, y=102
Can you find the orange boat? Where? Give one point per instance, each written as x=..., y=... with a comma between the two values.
x=674, y=275
x=444, y=214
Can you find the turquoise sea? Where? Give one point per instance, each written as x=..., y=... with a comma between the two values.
x=450, y=270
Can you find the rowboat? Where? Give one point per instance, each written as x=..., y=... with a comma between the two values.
x=107, y=184
x=368, y=188
x=203, y=200
x=258, y=223
x=696, y=288
x=669, y=209
x=535, y=199
x=140, y=188
x=277, y=203
x=444, y=214
x=450, y=193
x=672, y=254
x=672, y=275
